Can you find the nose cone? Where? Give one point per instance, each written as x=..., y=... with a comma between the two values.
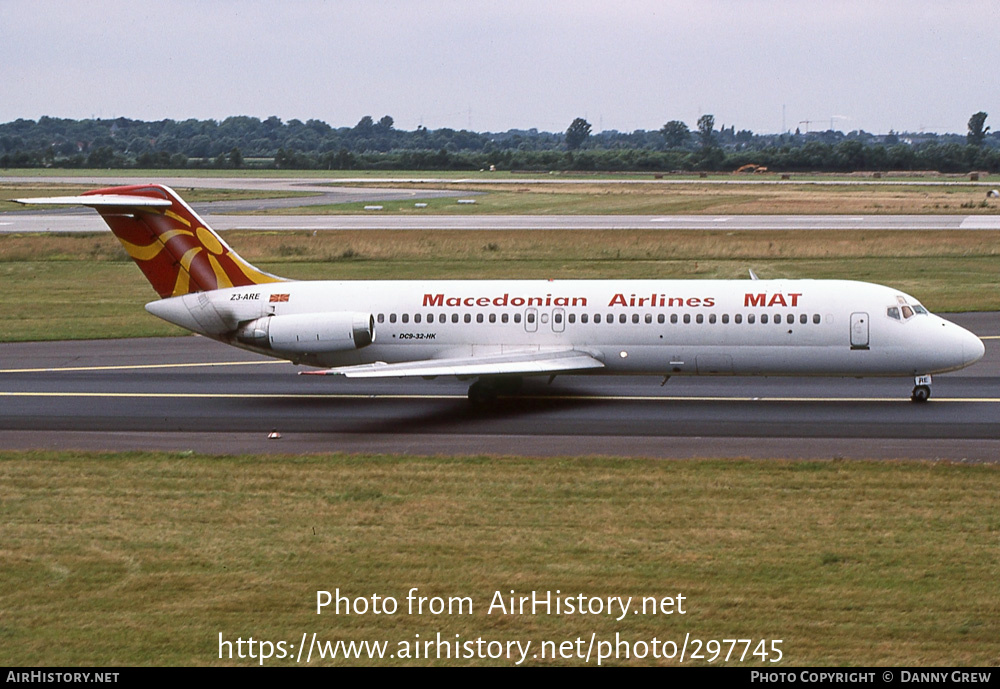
x=953, y=346
x=973, y=348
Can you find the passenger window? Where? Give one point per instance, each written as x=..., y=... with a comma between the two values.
x=493, y=318
x=468, y=318
x=699, y=318
x=751, y=318
x=649, y=318
x=454, y=318
x=610, y=318
x=711, y=318
x=660, y=319
x=738, y=318
x=416, y=318
x=442, y=318
x=763, y=318
x=479, y=318
x=803, y=319
x=557, y=318
x=504, y=317
x=597, y=318
x=584, y=318
x=816, y=318
x=531, y=317
x=687, y=317
x=392, y=318
x=673, y=318
x=406, y=318
x=381, y=318
x=517, y=318
x=725, y=318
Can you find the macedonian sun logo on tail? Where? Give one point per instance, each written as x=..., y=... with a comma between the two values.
x=174, y=248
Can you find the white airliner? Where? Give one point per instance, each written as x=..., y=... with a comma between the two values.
x=497, y=331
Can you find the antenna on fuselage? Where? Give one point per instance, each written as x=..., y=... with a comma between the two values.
x=753, y=275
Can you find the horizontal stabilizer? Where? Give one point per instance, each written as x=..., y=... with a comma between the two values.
x=97, y=201
x=520, y=363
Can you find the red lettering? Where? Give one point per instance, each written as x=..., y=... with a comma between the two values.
x=433, y=300
x=694, y=301
x=754, y=299
x=618, y=300
x=778, y=299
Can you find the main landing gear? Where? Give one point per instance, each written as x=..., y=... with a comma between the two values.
x=487, y=390
x=921, y=389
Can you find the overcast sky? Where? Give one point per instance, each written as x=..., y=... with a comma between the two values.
x=876, y=65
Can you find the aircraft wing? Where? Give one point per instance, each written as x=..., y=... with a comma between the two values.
x=515, y=363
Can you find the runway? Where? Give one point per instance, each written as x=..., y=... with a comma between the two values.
x=324, y=191
x=190, y=393
x=88, y=221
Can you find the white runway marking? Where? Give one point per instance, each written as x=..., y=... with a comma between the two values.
x=61, y=369
x=981, y=222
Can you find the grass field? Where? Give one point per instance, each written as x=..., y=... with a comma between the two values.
x=595, y=198
x=147, y=558
x=192, y=195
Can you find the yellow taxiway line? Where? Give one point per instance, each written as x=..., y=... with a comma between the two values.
x=599, y=398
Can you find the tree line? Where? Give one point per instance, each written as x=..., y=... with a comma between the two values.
x=249, y=142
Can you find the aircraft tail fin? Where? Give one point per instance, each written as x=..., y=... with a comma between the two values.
x=176, y=251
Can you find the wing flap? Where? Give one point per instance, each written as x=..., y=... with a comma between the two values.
x=526, y=363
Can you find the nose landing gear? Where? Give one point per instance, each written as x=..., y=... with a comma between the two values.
x=921, y=389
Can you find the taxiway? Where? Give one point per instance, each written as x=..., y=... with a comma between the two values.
x=190, y=393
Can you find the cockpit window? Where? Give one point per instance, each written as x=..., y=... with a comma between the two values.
x=905, y=311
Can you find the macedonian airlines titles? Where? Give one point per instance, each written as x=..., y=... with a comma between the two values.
x=495, y=332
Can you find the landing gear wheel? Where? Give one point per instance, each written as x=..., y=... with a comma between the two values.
x=486, y=390
x=481, y=393
x=921, y=393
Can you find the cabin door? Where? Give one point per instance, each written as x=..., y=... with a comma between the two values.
x=859, y=330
